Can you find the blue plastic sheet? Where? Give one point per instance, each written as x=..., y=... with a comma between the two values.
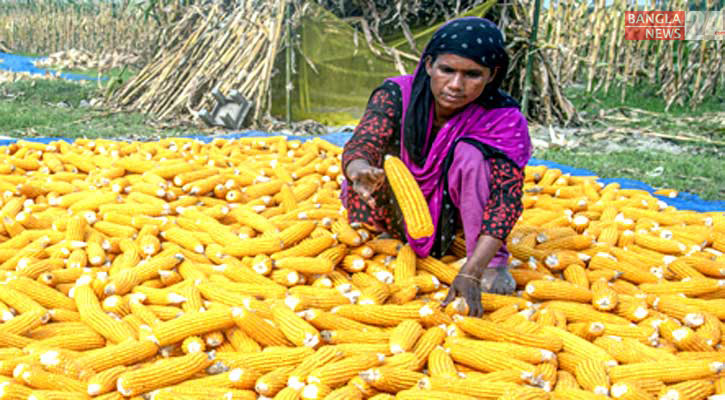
x=683, y=201
x=16, y=63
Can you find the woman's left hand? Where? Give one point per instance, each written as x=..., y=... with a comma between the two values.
x=467, y=286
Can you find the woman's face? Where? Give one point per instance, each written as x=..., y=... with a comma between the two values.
x=456, y=81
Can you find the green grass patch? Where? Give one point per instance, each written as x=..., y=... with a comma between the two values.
x=702, y=174
x=643, y=96
x=51, y=108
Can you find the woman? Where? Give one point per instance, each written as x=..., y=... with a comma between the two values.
x=466, y=143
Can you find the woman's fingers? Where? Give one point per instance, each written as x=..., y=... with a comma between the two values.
x=475, y=308
x=452, y=294
x=364, y=193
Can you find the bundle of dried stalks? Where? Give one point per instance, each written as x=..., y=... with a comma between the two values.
x=211, y=46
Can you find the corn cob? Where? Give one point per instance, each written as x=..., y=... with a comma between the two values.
x=411, y=200
x=558, y=290
x=294, y=327
x=161, y=373
x=323, y=320
x=592, y=375
x=37, y=378
x=478, y=388
x=666, y=371
x=105, y=381
x=440, y=364
x=337, y=373
x=93, y=315
x=391, y=380
x=693, y=389
x=191, y=324
x=344, y=393
x=489, y=331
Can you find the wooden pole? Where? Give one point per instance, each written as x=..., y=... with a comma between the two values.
x=530, y=58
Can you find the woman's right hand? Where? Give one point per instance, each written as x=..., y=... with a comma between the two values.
x=366, y=179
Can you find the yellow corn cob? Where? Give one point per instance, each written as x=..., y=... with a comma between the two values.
x=693, y=389
x=690, y=315
x=105, y=381
x=576, y=345
x=528, y=354
x=344, y=393
x=604, y=298
x=126, y=353
x=404, y=336
x=193, y=344
x=355, y=336
x=184, y=238
x=404, y=265
x=478, y=388
x=161, y=373
x=440, y=364
x=273, y=382
x=444, y=272
x=77, y=341
x=308, y=265
x=381, y=315
x=391, y=379
x=389, y=247
x=486, y=360
x=576, y=274
x=410, y=198
x=191, y=324
x=565, y=380
x=578, y=394
x=254, y=246
x=307, y=248
x=666, y=371
x=558, y=290
x=296, y=232
x=288, y=393
x=237, y=378
x=592, y=375
x=324, y=355
x=337, y=373
x=295, y=328
x=659, y=244
x=21, y=324
x=490, y=331
x=93, y=315
x=323, y=320
x=345, y=233
x=692, y=287
x=629, y=391
x=37, y=378
x=286, y=277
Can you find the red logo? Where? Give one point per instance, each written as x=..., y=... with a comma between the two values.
x=654, y=25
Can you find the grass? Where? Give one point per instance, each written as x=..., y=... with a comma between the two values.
x=51, y=108
x=641, y=96
x=696, y=168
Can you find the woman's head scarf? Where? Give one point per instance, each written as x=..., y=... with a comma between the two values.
x=474, y=38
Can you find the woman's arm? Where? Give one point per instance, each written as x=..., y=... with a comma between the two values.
x=486, y=248
x=376, y=129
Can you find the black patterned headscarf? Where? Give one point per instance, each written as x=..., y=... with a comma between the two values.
x=474, y=38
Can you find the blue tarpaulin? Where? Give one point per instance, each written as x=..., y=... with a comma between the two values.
x=16, y=63
x=683, y=201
